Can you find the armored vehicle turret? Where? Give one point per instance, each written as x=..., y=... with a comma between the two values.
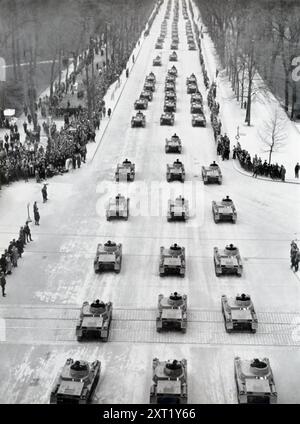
x=167, y=118
x=175, y=171
x=94, y=321
x=178, y=209
x=138, y=120
x=254, y=381
x=192, y=88
x=169, y=382
x=173, y=57
x=224, y=210
x=174, y=45
x=173, y=71
x=228, y=260
x=141, y=104
x=125, y=171
x=191, y=79
x=212, y=173
x=118, y=208
x=157, y=61
x=108, y=257
x=172, y=260
x=239, y=313
x=76, y=382
x=198, y=120
x=149, y=85
x=172, y=312
x=146, y=94
x=170, y=95
x=170, y=106
x=196, y=97
x=196, y=108
x=151, y=77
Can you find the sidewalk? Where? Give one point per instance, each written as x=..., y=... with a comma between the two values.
x=111, y=99
x=238, y=168
x=233, y=117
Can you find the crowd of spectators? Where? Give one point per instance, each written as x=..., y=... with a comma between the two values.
x=9, y=259
x=31, y=159
x=257, y=166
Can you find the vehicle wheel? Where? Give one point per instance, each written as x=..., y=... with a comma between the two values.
x=161, y=274
x=79, y=338
x=105, y=339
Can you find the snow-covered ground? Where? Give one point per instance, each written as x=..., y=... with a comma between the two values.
x=56, y=273
x=264, y=105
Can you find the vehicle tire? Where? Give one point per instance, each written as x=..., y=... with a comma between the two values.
x=105, y=339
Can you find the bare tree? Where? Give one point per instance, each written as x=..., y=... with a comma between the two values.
x=272, y=134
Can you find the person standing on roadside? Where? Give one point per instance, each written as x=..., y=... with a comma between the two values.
x=44, y=193
x=297, y=168
x=2, y=283
x=27, y=232
x=14, y=256
x=36, y=216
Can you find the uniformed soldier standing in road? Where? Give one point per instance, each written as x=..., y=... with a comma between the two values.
x=44, y=193
x=27, y=232
x=2, y=283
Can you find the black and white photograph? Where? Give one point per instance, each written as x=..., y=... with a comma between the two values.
x=149, y=204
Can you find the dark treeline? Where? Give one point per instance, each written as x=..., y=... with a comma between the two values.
x=32, y=31
x=257, y=35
